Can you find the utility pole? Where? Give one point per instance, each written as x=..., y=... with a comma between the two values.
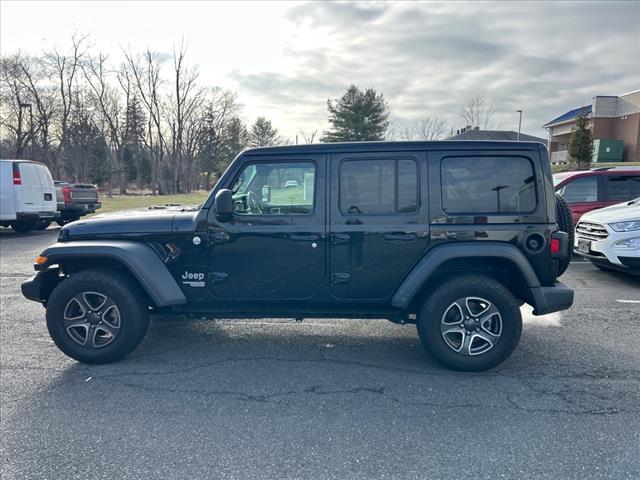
x=519, y=123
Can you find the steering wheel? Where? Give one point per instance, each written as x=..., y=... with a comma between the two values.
x=253, y=203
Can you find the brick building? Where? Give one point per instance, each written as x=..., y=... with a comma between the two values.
x=611, y=118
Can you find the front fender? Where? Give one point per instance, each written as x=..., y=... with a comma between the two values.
x=138, y=258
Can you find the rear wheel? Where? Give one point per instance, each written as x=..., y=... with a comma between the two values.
x=565, y=224
x=97, y=316
x=63, y=221
x=23, y=227
x=470, y=323
x=43, y=225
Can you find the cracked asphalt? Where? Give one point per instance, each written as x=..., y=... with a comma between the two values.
x=322, y=399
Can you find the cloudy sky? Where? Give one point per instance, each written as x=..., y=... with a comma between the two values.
x=285, y=59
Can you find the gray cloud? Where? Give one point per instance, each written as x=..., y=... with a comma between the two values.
x=544, y=58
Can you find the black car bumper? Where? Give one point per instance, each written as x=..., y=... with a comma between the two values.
x=39, y=287
x=551, y=299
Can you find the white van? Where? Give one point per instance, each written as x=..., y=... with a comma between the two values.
x=27, y=195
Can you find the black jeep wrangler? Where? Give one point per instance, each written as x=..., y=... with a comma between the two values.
x=452, y=236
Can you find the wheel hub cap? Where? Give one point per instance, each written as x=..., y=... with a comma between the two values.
x=471, y=326
x=92, y=319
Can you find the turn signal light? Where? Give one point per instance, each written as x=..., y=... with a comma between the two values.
x=554, y=245
x=41, y=260
x=17, y=179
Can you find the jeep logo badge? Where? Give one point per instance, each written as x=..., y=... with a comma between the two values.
x=193, y=279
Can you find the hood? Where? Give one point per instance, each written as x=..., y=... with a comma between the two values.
x=152, y=220
x=619, y=212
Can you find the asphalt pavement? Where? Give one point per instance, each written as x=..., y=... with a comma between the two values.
x=322, y=399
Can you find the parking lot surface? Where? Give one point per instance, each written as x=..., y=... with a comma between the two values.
x=322, y=399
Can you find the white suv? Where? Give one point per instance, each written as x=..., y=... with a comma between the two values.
x=610, y=237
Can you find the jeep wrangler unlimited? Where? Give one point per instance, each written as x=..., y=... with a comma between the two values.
x=452, y=236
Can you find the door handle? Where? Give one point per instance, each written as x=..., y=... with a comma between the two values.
x=400, y=237
x=304, y=237
x=340, y=278
x=340, y=238
x=220, y=237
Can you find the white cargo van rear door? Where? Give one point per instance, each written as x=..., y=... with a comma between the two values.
x=49, y=203
x=35, y=193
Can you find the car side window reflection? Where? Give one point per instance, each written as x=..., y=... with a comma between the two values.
x=279, y=188
x=582, y=189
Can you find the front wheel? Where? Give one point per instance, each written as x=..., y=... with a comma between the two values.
x=470, y=323
x=97, y=316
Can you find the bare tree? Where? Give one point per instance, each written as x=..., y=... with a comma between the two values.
x=309, y=137
x=110, y=108
x=145, y=73
x=477, y=112
x=64, y=69
x=426, y=128
x=14, y=98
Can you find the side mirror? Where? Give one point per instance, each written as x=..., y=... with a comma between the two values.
x=224, y=202
x=266, y=194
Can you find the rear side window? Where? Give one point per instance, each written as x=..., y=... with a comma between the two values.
x=487, y=185
x=378, y=187
x=582, y=189
x=622, y=188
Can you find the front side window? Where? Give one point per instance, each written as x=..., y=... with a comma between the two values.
x=622, y=188
x=487, y=185
x=378, y=187
x=285, y=188
x=582, y=189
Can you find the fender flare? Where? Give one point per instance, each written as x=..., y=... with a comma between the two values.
x=423, y=270
x=139, y=258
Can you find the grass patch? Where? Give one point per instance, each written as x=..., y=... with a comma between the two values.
x=127, y=202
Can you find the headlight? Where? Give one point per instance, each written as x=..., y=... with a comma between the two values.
x=628, y=243
x=626, y=226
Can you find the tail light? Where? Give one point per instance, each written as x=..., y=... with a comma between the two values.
x=17, y=179
x=66, y=193
x=559, y=245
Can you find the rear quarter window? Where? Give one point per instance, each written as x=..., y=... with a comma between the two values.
x=493, y=184
x=621, y=188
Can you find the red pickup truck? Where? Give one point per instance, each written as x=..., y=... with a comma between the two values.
x=598, y=188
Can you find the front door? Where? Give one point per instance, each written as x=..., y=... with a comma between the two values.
x=379, y=225
x=273, y=246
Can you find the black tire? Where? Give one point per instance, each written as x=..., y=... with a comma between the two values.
x=565, y=224
x=43, y=225
x=441, y=300
x=63, y=221
x=127, y=297
x=23, y=227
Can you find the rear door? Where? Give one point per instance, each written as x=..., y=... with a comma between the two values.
x=48, y=192
x=378, y=221
x=35, y=192
x=621, y=188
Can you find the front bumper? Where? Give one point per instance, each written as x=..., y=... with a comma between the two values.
x=39, y=287
x=606, y=253
x=551, y=299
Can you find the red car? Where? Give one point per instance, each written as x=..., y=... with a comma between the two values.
x=592, y=189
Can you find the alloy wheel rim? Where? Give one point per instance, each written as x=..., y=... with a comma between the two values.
x=92, y=319
x=471, y=326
